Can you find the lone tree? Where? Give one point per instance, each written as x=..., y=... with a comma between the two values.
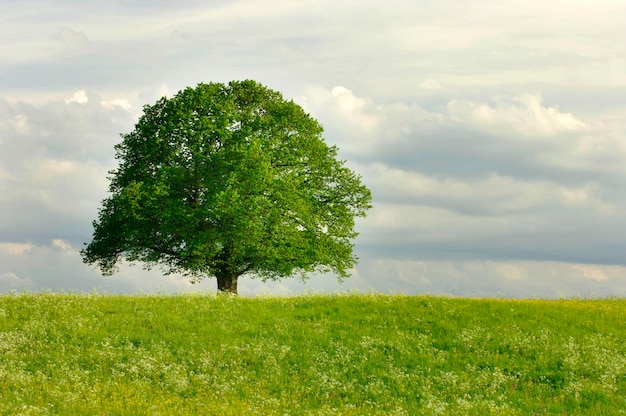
x=226, y=180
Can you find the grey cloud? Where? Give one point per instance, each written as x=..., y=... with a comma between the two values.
x=63, y=130
x=439, y=111
x=516, y=279
x=422, y=232
x=462, y=277
x=181, y=35
x=71, y=37
x=54, y=158
x=382, y=51
x=512, y=179
x=56, y=265
x=11, y=281
x=457, y=143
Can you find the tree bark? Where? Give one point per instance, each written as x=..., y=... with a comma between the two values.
x=227, y=282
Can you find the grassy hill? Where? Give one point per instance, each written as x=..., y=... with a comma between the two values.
x=90, y=354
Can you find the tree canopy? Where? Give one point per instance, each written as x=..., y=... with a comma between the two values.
x=224, y=180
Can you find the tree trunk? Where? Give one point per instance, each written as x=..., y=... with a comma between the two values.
x=227, y=282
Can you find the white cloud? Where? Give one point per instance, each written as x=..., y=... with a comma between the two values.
x=430, y=84
x=46, y=168
x=13, y=282
x=15, y=248
x=117, y=102
x=524, y=115
x=79, y=97
x=358, y=125
x=20, y=123
x=343, y=104
x=64, y=246
x=165, y=91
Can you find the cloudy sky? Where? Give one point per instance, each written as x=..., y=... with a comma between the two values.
x=492, y=133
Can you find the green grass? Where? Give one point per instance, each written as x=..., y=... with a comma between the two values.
x=80, y=354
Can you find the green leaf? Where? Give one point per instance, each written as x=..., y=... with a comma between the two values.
x=229, y=180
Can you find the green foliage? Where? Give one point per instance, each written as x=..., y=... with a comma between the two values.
x=223, y=180
x=311, y=355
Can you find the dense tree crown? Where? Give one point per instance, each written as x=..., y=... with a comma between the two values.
x=225, y=180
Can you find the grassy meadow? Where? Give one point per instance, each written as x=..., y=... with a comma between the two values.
x=93, y=354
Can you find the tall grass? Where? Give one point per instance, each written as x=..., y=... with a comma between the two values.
x=79, y=354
